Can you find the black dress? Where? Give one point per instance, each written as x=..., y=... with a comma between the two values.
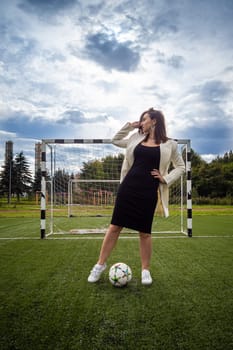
x=137, y=194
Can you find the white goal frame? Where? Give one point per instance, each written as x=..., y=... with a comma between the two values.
x=49, y=142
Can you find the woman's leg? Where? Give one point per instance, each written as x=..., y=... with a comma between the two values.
x=145, y=250
x=109, y=243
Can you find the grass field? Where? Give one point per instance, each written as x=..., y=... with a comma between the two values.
x=46, y=302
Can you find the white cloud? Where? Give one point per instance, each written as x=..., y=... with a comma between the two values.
x=110, y=61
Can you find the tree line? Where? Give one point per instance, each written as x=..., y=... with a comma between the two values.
x=15, y=177
x=211, y=182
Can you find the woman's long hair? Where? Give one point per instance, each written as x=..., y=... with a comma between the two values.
x=160, y=133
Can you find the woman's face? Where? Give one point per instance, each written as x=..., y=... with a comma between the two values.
x=146, y=123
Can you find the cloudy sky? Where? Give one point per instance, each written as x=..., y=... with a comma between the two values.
x=82, y=68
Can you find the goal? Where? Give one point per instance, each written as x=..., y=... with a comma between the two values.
x=80, y=178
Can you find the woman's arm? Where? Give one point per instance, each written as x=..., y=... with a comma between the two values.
x=170, y=154
x=178, y=164
x=120, y=139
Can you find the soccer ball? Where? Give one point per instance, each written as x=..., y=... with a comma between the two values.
x=120, y=274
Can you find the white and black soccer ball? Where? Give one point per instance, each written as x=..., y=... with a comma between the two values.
x=120, y=274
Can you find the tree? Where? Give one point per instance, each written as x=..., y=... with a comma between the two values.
x=22, y=176
x=107, y=168
x=112, y=166
x=214, y=179
x=61, y=179
x=92, y=170
x=196, y=160
x=36, y=187
x=7, y=178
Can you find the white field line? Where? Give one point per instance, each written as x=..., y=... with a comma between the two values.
x=100, y=238
x=18, y=238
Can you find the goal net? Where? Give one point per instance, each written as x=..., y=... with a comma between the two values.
x=80, y=179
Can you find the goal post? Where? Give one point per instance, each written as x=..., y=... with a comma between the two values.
x=79, y=183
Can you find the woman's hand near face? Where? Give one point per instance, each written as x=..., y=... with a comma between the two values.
x=135, y=124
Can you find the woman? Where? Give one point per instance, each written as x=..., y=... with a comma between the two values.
x=144, y=171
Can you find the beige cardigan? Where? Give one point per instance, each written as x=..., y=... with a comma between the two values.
x=168, y=154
